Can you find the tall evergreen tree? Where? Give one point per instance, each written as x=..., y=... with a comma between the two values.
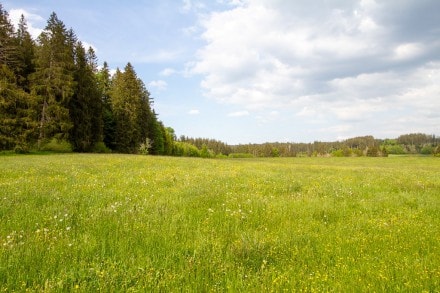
x=127, y=97
x=17, y=121
x=95, y=98
x=109, y=127
x=8, y=46
x=26, y=55
x=157, y=135
x=79, y=110
x=53, y=82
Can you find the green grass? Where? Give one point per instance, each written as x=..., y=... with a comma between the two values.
x=139, y=223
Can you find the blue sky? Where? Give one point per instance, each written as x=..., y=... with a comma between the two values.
x=252, y=71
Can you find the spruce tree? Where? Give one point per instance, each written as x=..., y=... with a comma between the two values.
x=17, y=120
x=26, y=55
x=8, y=45
x=95, y=101
x=53, y=82
x=109, y=126
x=79, y=110
x=126, y=100
x=156, y=135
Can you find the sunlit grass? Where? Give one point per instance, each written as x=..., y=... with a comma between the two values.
x=122, y=222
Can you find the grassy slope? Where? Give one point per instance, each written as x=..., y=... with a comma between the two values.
x=130, y=222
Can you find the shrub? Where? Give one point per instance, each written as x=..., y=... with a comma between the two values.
x=58, y=146
x=145, y=146
x=101, y=148
x=427, y=149
x=185, y=149
x=20, y=149
x=337, y=153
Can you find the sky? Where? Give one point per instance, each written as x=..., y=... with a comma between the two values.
x=254, y=71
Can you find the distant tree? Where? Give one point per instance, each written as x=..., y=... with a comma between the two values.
x=157, y=136
x=168, y=138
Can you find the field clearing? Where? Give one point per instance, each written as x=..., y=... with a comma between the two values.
x=131, y=223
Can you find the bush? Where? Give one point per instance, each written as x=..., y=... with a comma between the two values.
x=184, y=149
x=19, y=149
x=437, y=152
x=395, y=149
x=337, y=153
x=58, y=146
x=427, y=150
x=101, y=148
x=145, y=146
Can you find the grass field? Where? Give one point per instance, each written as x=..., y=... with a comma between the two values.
x=141, y=223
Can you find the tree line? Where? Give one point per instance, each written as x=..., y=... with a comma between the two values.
x=414, y=143
x=52, y=90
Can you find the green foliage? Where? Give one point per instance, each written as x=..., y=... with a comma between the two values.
x=427, y=149
x=240, y=155
x=437, y=151
x=206, y=153
x=100, y=147
x=57, y=145
x=184, y=149
x=337, y=153
x=53, y=82
x=395, y=149
x=100, y=223
x=145, y=146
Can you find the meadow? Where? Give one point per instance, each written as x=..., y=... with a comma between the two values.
x=90, y=222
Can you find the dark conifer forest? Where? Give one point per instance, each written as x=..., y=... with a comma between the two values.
x=54, y=96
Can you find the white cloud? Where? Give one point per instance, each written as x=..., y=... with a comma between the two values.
x=32, y=21
x=158, y=84
x=407, y=51
x=333, y=62
x=239, y=114
x=194, y=112
x=168, y=72
x=188, y=5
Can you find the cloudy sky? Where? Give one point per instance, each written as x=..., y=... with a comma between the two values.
x=269, y=70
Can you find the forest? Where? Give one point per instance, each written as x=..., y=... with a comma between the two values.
x=55, y=97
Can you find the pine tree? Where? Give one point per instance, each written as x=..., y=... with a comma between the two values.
x=53, y=83
x=79, y=110
x=26, y=54
x=157, y=136
x=8, y=45
x=95, y=98
x=17, y=120
x=127, y=98
x=85, y=105
x=109, y=126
